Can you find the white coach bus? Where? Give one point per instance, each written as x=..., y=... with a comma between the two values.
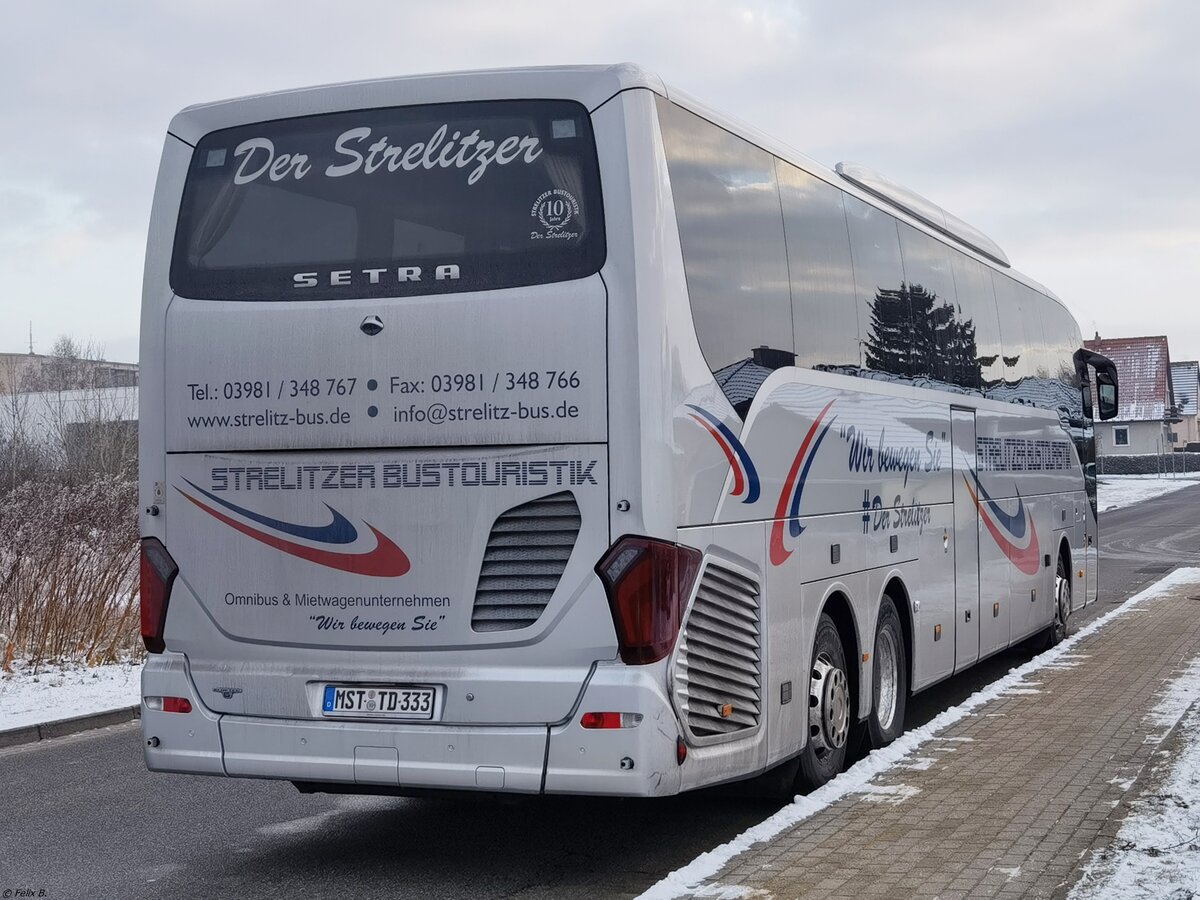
x=544, y=431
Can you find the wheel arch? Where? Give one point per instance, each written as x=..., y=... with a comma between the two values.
x=839, y=608
x=1064, y=553
x=896, y=589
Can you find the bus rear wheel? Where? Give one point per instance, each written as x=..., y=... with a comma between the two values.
x=889, y=678
x=1058, y=630
x=829, y=708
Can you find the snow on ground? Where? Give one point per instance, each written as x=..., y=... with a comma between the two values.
x=1157, y=851
x=1117, y=491
x=857, y=779
x=61, y=692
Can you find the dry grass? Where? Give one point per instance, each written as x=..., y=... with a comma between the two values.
x=68, y=572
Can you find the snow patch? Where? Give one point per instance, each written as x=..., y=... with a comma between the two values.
x=731, y=892
x=31, y=696
x=888, y=793
x=686, y=880
x=1179, y=695
x=1118, y=491
x=1157, y=851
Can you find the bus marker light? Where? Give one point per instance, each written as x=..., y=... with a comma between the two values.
x=726, y=710
x=610, y=720
x=866, y=657
x=680, y=750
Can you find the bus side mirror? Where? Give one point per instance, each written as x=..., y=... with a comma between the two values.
x=1106, y=395
x=1106, y=380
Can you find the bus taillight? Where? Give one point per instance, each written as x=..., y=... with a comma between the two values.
x=158, y=572
x=648, y=583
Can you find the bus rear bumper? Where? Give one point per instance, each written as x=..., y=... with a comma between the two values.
x=638, y=761
x=365, y=753
x=178, y=742
x=566, y=758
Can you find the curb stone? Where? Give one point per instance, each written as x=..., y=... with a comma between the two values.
x=31, y=734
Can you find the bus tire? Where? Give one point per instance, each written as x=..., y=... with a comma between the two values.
x=1060, y=627
x=829, y=709
x=889, y=678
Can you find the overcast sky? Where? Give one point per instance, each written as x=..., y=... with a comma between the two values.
x=1069, y=132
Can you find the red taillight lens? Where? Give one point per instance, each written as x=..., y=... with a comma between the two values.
x=176, y=704
x=610, y=720
x=158, y=574
x=648, y=583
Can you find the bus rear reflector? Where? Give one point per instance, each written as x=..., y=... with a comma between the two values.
x=158, y=573
x=648, y=583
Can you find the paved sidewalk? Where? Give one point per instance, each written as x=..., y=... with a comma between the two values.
x=1010, y=800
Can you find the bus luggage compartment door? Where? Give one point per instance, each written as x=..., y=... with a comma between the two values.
x=966, y=540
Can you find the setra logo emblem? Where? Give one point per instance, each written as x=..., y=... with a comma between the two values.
x=227, y=692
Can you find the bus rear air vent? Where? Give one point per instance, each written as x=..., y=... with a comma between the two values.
x=526, y=555
x=718, y=663
x=927, y=211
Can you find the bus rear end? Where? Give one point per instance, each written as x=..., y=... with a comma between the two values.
x=375, y=446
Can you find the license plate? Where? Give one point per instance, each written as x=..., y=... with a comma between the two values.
x=378, y=702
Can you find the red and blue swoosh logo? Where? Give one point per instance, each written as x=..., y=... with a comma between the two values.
x=793, y=487
x=385, y=560
x=745, y=476
x=1008, y=530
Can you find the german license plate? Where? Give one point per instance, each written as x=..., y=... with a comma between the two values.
x=379, y=702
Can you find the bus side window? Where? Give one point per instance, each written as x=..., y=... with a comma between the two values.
x=884, y=313
x=734, y=259
x=818, y=250
x=977, y=305
x=943, y=343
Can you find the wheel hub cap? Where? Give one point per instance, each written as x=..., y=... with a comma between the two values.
x=886, y=668
x=829, y=706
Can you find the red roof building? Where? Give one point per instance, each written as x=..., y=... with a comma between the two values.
x=1146, y=405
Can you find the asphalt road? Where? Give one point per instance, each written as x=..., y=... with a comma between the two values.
x=82, y=818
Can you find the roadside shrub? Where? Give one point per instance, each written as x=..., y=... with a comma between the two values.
x=68, y=572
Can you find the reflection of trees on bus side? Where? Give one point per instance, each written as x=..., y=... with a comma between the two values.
x=915, y=334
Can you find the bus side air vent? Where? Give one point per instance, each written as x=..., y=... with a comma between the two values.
x=526, y=555
x=718, y=663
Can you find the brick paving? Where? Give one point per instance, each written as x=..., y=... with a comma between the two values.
x=1007, y=802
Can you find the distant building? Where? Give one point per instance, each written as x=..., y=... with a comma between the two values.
x=24, y=372
x=1185, y=385
x=65, y=416
x=1146, y=414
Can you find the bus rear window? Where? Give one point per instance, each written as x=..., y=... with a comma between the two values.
x=392, y=202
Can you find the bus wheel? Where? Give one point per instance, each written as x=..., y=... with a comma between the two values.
x=889, y=678
x=1057, y=631
x=824, y=754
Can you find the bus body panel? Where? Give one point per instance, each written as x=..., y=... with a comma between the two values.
x=454, y=369
x=287, y=613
